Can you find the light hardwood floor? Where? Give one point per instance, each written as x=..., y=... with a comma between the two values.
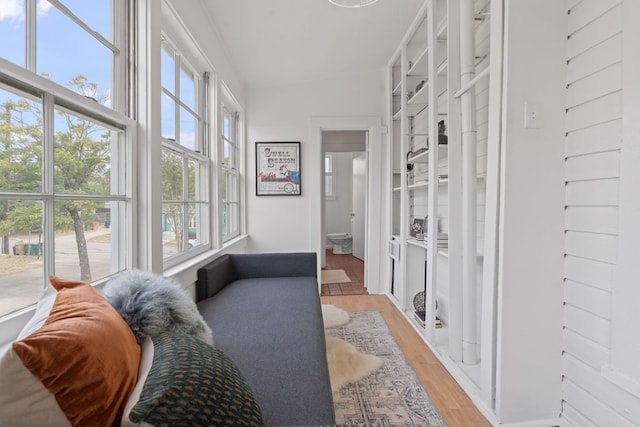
x=454, y=405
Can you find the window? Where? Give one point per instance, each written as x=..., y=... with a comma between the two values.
x=68, y=40
x=230, y=179
x=185, y=165
x=329, y=176
x=65, y=174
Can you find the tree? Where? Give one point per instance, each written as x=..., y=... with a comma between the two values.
x=175, y=210
x=81, y=165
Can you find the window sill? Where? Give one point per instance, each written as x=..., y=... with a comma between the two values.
x=203, y=258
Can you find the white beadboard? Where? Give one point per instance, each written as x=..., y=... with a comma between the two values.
x=597, y=58
x=602, y=137
x=594, y=192
x=595, y=219
x=593, y=273
x=590, y=352
x=591, y=408
x=593, y=166
x=604, y=28
x=601, y=110
x=587, y=12
x=588, y=325
x=593, y=300
x=597, y=85
x=592, y=171
x=572, y=3
x=590, y=379
x=572, y=418
x=600, y=247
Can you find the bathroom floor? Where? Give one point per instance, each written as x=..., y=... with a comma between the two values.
x=354, y=269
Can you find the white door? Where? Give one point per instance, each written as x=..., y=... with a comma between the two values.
x=358, y=215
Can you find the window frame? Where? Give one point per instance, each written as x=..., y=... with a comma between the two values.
x=55, y=96
x=331, y=194
x=186, y=56
x=231, y=170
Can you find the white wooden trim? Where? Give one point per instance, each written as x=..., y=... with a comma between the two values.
x=490, y=268
x=149, y=209
x=375, y=270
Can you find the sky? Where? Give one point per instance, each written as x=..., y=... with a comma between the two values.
x=64, y=50
x=81, y=53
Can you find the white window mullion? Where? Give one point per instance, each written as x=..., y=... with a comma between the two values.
x=30, y=34
x=48, y=183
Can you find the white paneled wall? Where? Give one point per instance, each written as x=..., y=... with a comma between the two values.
x=592, y=149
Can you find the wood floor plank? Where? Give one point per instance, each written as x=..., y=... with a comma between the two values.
x=454, y=405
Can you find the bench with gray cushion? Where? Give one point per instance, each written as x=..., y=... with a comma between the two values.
x=265, y=313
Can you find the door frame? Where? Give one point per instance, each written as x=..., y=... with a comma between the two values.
x=373, y=247
x=355, y=216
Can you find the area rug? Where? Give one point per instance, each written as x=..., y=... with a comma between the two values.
x=333, y=316
x=347, y=364
x=390, y=396
x=334, y=276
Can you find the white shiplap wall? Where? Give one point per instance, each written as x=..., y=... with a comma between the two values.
x=592, y=147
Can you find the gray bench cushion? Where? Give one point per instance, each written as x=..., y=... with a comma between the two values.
x=261, y=321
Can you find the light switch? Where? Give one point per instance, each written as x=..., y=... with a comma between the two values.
x=531, y=116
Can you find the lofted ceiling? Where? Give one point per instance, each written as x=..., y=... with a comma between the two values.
x=282, y=42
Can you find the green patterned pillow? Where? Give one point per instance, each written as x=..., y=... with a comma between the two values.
x=192, y=383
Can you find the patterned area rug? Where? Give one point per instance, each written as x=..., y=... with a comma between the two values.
x=392, y=395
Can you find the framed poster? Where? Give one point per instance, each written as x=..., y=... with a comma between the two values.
x=278, y=169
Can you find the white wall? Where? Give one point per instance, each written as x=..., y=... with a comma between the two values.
x=593, y=156
x=281, y=224
x=531, y=236
x=196, y=17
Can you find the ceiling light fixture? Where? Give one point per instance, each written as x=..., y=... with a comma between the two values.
x=352, y=3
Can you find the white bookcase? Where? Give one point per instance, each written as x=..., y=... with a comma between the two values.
x=448, y=70
x=426, y=164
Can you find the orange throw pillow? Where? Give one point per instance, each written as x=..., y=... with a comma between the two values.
x=84, y=354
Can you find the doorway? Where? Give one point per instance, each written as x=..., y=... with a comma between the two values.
x=344, y=211
x=376, y=233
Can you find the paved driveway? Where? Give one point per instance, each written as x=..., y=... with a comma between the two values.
x=21, y=283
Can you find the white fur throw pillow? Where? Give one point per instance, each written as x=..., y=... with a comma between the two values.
x=152, y=304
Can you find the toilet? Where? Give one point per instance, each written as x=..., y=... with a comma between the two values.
x=342, y=242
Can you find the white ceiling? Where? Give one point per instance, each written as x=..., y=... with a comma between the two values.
x=281, y=42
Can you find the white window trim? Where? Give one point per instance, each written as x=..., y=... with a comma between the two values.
x=623, y=369
x=191, y=56
x=333, y=194
x=228, y=101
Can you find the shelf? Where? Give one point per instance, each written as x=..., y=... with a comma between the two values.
x=441, y=33
x=414, y=99
x=397, y=89
x=410, y=313
x=424, y=156
x=396, y=189
x=425, y=243
x=419, y=243
x=425, y=183
x=397, y=114
x=443, y=252
x=418, y=185
x=419, y=66
x=415, y=109
x=442, y=68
